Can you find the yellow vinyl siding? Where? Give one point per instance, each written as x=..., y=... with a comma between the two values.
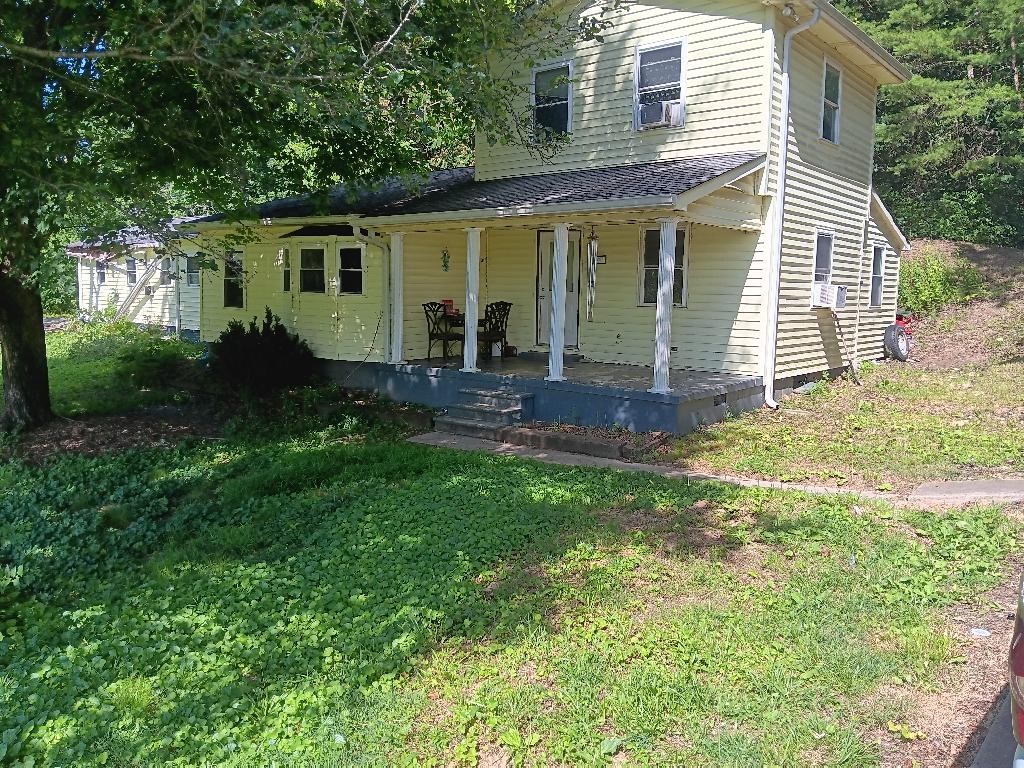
x=874, y=320
x=719, y=330
x=336, y=327
x=155, y=307
x=828, y=188
x=425, y=281
x=725, y=90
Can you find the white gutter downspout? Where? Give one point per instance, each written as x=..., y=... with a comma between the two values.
x=778, y=218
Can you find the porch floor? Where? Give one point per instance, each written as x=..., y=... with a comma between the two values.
x=686, y=385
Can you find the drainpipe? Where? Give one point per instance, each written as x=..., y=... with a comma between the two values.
x=778, y=215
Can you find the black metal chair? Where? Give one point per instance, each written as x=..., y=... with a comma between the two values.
x=494, y=328
x=439, y=329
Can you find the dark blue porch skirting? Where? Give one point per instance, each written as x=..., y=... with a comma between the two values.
x=695, y=403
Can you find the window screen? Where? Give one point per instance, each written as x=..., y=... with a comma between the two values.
x=350, y=270
x=877, y=275
x=192, y=270
x=551, y=89
x=165, y=271
x=823, y=257
x=234, y=295
x=830, y=108
x=660, y=74
x=312, y=278
x=651, y=259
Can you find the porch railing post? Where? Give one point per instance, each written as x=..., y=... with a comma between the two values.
x=663, y=321
x=556, y=351
x=472, y=299
x=397, y=297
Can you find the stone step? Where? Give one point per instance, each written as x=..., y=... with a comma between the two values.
x=467, y=427
x=494, y=398
x=487, y=414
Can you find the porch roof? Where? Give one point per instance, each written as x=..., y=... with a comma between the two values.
x=666, y=183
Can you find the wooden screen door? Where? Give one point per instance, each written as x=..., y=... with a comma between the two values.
x=545, y=267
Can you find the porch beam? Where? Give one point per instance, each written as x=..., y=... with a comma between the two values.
x=395, y=354
x=663, y=318
x=556, y=348
x=472, y=299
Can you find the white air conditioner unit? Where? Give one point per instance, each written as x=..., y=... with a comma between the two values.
x=658, y=114
x=829, y=296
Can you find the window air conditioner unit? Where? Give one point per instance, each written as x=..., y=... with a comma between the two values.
x=829, y=296
x=658, y=114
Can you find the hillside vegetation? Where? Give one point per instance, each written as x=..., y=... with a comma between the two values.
x=954, y=412
x=951, y=141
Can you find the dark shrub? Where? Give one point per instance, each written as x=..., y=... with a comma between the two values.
x=261, y=359
x=151, y=362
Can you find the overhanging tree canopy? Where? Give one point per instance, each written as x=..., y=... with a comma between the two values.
x=115, y=113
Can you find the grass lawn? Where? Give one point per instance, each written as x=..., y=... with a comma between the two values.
x=955, y=412
x=86, y=376
x=342, y=597
x=905, y=425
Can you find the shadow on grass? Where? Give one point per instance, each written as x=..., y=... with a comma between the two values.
x=341, y=564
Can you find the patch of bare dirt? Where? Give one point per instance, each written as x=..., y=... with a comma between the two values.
x=955, y=717
x=985, y=331
x=93, y=436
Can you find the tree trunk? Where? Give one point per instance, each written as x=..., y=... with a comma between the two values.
x=26, y=402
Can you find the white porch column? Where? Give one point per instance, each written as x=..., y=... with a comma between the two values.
x=397, y=297
x=663, y=322
x=472, y=299
x=556, y=351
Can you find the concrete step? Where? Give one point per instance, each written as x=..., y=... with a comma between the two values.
x=467, y=427
x=495, y=399
x=487, y=414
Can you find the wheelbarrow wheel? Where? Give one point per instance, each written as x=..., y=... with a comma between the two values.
x=897, y=343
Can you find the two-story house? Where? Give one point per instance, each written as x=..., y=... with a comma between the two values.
x=686, y=252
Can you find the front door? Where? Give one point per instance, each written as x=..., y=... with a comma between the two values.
x=545, y=269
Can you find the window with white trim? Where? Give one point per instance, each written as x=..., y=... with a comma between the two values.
x=131, y=270
x=285, y=259
x=823, y=247
x=650, y=258
x=312, y=275
x=234, y=274
x=658, y=96
x=101, y=273
x=877, y=275
x=350, y=270
x=165, y=271
x=552, y=101
x=192, y=270
x=830, y=108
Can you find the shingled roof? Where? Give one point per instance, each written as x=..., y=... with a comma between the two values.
x=456, y=189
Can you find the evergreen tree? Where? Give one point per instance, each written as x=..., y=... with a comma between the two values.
x=950, y=156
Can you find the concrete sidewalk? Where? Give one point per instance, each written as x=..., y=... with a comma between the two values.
x=463, y=443
x=950, y=494
x=955, y=493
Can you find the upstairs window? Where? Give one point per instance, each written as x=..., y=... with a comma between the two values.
x=192, y=270
x=877, y=275
x=658, y=99
x=824, y=245
x=312, y=278
x=101, y=273
x=651, y=267
x=132, y=272
x=830, y=112
x=552, y=101
x=234, y=294
x=350, y=270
